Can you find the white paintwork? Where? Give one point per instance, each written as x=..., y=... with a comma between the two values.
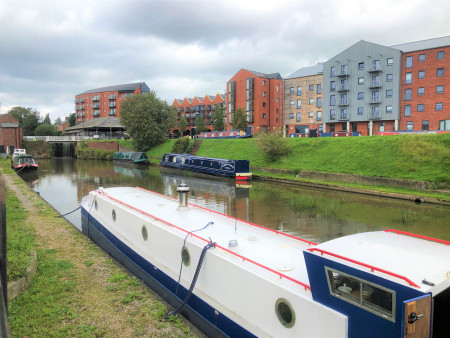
x=411, y=257
x=244, y=292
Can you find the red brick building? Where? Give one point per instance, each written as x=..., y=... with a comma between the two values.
x=11, y=134
x=104, y=102
x=260, y=96
x=425, y=85
x=193, y=108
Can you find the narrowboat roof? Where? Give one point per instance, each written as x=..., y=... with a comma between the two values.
x=201, y=157
x=416, y=258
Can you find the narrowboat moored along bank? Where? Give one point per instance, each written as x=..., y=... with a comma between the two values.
x=22, y=163
x=254, y=281
x=131, y=157
x=239, y=169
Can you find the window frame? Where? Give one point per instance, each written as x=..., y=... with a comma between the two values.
x=440, y=92
x=439, y=53
x=420, y=107
x=439, y=105
x=389, y=61
x=420, y=92
x=422, y=57
x=421, y=74
x=409, y=61
x=437, y=72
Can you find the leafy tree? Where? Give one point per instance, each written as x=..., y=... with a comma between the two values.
x=273, y=146
x=45, y=129
x=72, y=120
x=19, y=113
x=218, y=121
x=200, y=124
x=239, y=120
x=47, y=119
x=147, y=119
x=57, y=121
x=30, y=123
x=182, y=125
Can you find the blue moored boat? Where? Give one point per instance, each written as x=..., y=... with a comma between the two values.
x=131, y=157
x=239, y=169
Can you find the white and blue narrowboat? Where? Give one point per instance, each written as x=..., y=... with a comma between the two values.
x=239, y=169
x=240, y=279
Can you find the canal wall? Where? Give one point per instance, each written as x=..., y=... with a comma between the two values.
x=108, y=145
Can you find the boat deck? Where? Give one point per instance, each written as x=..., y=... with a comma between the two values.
x=264, y=251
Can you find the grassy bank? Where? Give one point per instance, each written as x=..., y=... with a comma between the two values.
x=78, y=290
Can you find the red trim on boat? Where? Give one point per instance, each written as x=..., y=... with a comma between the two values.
x=371, y=267
x=399, y=232
x=306, y=286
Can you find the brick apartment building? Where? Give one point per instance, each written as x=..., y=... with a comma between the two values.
x=303, y=101
x=193, y=108
x=104, y=102
x=11, y=134
x=260, y=96
x=425, y=85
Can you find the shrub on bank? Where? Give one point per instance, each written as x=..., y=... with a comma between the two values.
x=94, y=154
x=273, y=146
x=182, y=145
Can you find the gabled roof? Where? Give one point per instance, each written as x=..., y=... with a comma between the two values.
x=307, y=71
x=442, y=41
x=120, y=88
x=101, y=122
x=276, y=76
x=8, y=118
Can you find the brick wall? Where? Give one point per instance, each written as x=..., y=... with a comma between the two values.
x=109, y=145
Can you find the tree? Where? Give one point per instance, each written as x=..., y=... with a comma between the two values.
x=200, y=124
x=58, y=121
x=47, y=119
x=218, y=123
x=19, y=113
x=147, y=119
x=45, y=129
x=182, y=125
x=72, y=120
x=30, y=123
x=239, y=120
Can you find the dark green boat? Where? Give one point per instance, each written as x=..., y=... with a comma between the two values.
x=131, y=157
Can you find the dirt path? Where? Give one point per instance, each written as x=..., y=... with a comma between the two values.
x=98, y=303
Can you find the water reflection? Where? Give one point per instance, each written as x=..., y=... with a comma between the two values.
x=314, y=214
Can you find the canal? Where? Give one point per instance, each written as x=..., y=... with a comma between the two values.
x=314, y=214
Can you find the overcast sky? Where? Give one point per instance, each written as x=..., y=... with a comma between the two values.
x=52, y=50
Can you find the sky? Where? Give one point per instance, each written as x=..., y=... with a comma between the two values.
x=51, y=51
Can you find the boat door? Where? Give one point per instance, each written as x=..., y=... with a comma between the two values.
x=417, y=317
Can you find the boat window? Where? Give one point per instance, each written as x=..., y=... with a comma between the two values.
x=174, y=159
x=167, y=158
x=185, y=256
x=144, y=233
x=96, y=205
x=369, y=296
x=285, y=313
x=113, y=214
x=182, y=160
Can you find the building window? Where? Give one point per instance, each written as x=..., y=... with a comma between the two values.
x=409, y=62
x=361, y=96
x=360, y=80
x=291, y=90
x=332, y=128
x=332, y=100
x=381, y=127
x=407, y=111
x=421, y=74
x=360, y=110
x=319, y=88
x=291, y=115
x=332, y=86
x=333, y=71
x=407, y=94
x=410, y=126
x=388, y=109
x=298, y=117
x=444, y=125
x=343, y=69
x=389, y=93
x=440, y=55
x=344, y=115
x=264, y=115
x=389, y=77
x=299, y=90
x=264, y=93
x=425, y=125
x=311, y=114
x=375, y=96
x=439, y=106
x=422, y=57
x=319, y=102
x=390, y=61
x=439, y=89
x=311, y=101
x=299, y=104
x=264, y=82
x=311, y=88
x=361, y=65
x=421, y=91
x=420, y=107
x=319, y=116
x=278, y=88
x=264, y=105
x=408, y=78
x=291, y=103
x=320, y=128
x=440, y=72
x=332, y=114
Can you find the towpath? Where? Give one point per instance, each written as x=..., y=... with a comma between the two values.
x=105, y=299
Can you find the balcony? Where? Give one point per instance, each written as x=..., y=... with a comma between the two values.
x=96, y=105
x=375, y=69
x=375, y=100
x=96, y=113
x=112, y=97
x=96, y=98
x=342, y=73
x=343, y=88
x=343, y=103
x=111, y=104
x=375, y=116
x=375, y=84
x=343, y=117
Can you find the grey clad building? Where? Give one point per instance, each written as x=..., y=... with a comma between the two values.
x=361, y=89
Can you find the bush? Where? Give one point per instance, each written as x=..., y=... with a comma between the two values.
x=182, y=145
x=273, y=146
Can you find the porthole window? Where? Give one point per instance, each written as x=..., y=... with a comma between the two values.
x=185, y=256
x=144, y=233
x=113, y=214
x=285, y=313
x=95, y=205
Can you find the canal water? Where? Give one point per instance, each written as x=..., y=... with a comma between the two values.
x=314, y=214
